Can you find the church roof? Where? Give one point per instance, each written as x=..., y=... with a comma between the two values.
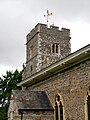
x=31, y=100
x=69, y=61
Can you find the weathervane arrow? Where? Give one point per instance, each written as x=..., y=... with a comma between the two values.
x=47, y=16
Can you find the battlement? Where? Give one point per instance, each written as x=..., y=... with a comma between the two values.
x=44, y=29
x=44, y=46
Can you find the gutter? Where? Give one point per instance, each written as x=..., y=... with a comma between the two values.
x=67, y=62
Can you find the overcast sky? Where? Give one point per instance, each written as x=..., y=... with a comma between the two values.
x=18, y=17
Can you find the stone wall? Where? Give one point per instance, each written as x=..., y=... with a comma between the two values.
x=47, y=38
x=72, y=85
x=20, y=102
x=38, y=115
x=39, y=47
x=33, y=115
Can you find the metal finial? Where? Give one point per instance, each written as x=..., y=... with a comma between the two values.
x=47, y=16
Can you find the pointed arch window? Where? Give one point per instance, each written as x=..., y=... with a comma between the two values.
x=58, y=108
x=88, y=106
x=56, y=112
x=61, y=111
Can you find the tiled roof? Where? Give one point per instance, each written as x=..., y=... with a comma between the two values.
x=31, y=100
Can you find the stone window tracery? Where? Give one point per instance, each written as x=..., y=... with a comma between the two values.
x=58, y=108
x=61, y=111
x=88, y=104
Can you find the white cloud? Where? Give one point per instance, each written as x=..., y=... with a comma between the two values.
x=18, y=17
x=80, y=35
x=4, y=68
x=12, y=8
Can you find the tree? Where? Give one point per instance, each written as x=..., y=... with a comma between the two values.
x=7, y=83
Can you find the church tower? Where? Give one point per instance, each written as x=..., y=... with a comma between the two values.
x=44, y=46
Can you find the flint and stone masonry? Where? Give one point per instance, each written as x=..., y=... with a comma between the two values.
x=72, y=85
x=45, y=46
x=62, y=75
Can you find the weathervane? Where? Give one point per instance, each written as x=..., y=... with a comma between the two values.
x=47, y=16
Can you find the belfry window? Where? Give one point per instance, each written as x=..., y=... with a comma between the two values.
x=58, y=108
x=55, y=48
x=88, y=106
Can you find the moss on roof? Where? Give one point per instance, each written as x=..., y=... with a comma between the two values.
x=31, y=100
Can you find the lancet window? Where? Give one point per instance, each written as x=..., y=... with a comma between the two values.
x=58, y=108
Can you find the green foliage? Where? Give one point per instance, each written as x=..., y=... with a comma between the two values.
x=7, y=83
x=3, y=113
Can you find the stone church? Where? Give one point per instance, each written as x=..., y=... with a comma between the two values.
x=56, y=82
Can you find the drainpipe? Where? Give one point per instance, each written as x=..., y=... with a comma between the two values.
x=21, y=115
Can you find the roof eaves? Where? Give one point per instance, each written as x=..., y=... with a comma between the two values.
x=74, y=58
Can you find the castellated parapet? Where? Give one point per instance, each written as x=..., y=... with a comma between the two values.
x=44, y=46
